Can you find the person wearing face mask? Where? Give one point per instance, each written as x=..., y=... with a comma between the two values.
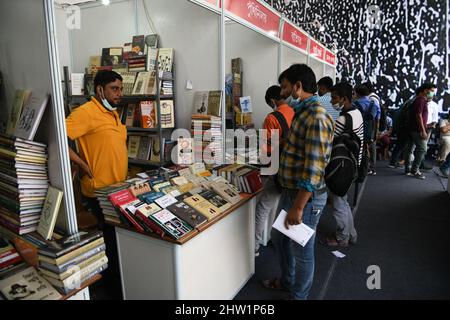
x=103, y=158
x=341, y=98
x=280, y=119
x=100, y=135
x=324, y=85
x=286, y=88
x=301, y=175
x=418, y=136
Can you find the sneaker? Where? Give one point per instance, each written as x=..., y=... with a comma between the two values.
x=418, y=175
x=392, y=166
x=371, y=173
x=257, y=253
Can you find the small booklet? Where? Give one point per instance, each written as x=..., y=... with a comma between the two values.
x=300, y=233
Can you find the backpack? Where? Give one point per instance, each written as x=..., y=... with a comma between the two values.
x=369, y=121
x=401, y=118
x=342, y=170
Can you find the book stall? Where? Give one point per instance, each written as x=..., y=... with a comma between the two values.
x=184, y=222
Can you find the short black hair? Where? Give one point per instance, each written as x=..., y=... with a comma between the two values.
x=361, y=90
x=282, y=76
x=343, y=89
x=425, y=86
x=304, y=74
x=369, y=86
x=274, y=92
x=326, y=82
x=103, y=77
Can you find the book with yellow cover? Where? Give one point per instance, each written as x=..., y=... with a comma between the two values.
x=49, y=212
x=203, y=206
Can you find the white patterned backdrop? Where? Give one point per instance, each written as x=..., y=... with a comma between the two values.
x=399, y=47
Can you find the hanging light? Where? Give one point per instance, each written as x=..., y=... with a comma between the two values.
x=106, y=2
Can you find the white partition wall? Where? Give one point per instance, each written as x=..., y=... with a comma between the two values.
x=259, y=56
x=291, y=56
x=330, y=72
x=317, y=67
x=25, y=64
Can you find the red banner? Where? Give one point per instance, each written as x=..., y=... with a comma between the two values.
x=316, y=50
x=330, y=57
x=255, y=13
x=294, y=36
x=213, y=2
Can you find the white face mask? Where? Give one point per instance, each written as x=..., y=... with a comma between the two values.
x=337, y=107
x=288, y=100
x=106, y=103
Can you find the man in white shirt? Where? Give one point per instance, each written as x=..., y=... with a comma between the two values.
x=433, y=119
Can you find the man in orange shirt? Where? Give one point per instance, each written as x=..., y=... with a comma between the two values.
x=103, y=160
x=279, y=120
x=101, y=137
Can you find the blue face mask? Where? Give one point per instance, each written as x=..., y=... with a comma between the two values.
x=106, y=103
x=288, y=100
x=295, y=103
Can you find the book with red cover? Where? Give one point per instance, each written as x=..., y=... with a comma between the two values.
x=144, y=218
x=254, y=181
x=148, y=114
x=123, y=197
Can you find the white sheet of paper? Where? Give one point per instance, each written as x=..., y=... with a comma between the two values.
x=338, y=254
x=300, y=233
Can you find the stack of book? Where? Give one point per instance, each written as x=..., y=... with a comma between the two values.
x=246, y=178
x=167, y=88
x=9, y=257
x=23, y=183
x=103, y=195
x=207, y=133
x=137, y=63
x=69, y=262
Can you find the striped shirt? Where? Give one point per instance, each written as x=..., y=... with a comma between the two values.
x=358, y=128
x=308, y=148
x=325, y=101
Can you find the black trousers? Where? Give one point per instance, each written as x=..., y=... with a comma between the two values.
x=111, y=276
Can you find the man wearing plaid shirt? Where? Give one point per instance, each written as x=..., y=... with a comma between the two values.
x=301, y=175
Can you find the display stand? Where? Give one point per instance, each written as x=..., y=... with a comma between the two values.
x=215, y=263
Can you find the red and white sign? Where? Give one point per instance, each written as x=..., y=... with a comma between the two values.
x=330, y=57
x=255, y=13
x=213, y=2
x=316, y=50
x=295, y=37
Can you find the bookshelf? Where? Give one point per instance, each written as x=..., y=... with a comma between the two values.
x=157, y=133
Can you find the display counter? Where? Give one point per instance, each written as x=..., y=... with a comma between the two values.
x=213, y=262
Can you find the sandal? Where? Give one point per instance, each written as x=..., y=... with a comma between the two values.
x=273, y=284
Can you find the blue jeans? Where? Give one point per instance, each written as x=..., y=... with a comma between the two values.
x=297, y=262
x=445, y=167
